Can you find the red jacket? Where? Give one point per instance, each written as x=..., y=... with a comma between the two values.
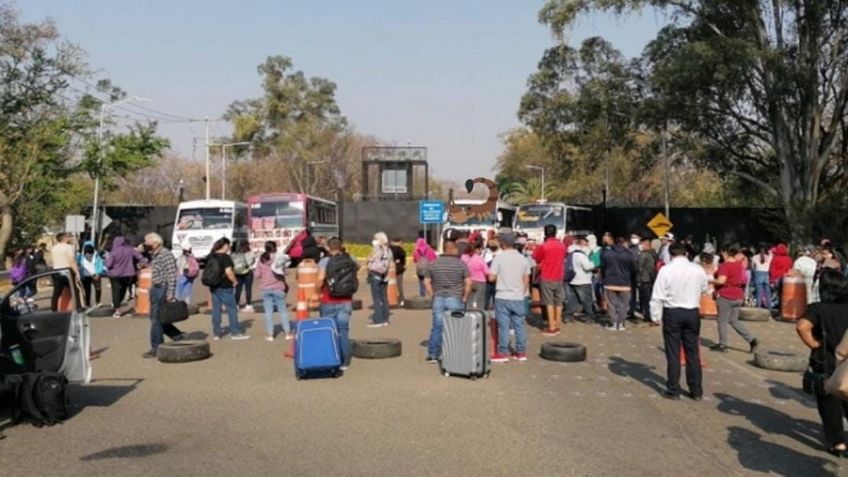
x=781, y=263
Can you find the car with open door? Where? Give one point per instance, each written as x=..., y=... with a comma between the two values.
x=36, y=339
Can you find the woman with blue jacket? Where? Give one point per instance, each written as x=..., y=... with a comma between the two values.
x=91, y=268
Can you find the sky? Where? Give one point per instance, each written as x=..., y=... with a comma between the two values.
x=445, y=74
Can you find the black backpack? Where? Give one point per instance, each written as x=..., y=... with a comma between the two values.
x=213, y=274
x=341, y=276
x=570, y=272
x=42, y=399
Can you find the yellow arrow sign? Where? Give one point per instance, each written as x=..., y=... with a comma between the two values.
x=660, y=224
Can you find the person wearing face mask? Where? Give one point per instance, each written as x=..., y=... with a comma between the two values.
x=91, y=268
x=578, y=290
x=379, y=263
x=646, y=275
x=121, y=266
x=634, y=286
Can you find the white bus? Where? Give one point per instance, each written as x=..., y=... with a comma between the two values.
x=569, y=220
x=279, y=217
x=502, y=217
x=203, y=222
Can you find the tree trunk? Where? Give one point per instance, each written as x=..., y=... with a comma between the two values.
x=5, y=227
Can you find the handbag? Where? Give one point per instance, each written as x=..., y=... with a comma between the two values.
x=837, y=383
x=813, y=382
x=173, y=312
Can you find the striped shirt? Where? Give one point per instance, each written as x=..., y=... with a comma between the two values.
x=165, y=271
x=447, y=274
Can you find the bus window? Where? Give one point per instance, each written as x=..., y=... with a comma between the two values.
x=205, y=219
x=241, y=218
x=506, y=218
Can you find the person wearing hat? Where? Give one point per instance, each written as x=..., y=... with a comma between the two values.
x=665, y=256
x=510, y=272
x=187, y=268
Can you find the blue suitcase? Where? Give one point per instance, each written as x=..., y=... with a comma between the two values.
x=317, y=350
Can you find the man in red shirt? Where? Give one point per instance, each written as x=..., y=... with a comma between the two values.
x=551, y=259
x=730, y=293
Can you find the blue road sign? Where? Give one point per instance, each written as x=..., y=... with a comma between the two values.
x=431, y=212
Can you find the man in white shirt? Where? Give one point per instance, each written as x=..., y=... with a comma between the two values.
x=674, y=301
x=63, y=256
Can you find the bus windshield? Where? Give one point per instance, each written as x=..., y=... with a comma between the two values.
x=286, y=214
x=205, y=219
x=539, y=215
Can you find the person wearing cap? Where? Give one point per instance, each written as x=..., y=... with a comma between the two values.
x=665, y=256
x=187, y=271
x=448, y=282
x=510, y=272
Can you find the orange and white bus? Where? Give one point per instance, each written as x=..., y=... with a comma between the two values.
x=279, y=217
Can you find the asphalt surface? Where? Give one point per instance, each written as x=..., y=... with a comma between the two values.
x=242, y=412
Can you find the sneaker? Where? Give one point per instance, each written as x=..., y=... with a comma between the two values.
x=248, y=309
x=754, y=345
x=385, y=324
x=289, y=336
x=520, y=356
x=432, y=360
x=500, y=358
x=179, y=337
x=374, y=325
x=611, y=327
x=217, y=337
x=621, y=327
x=269, y=338
x=550, y=333
x=720, y=348
x=240, y=337
x=117, y=314
x=149, y=355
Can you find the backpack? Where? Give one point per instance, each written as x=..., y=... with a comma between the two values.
x=380, y=266
x=341, y=278
x=240, y=264
x=192, y=267
x=18, y=273
x=570, y=272
x=42, y=399
x=421, y=266
x=213, y=274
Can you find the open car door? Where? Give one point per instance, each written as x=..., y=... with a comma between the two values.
x=50, y=340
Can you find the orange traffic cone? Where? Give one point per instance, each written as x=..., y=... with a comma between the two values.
x=392, y=291
x=301, y=313
x=683, y=356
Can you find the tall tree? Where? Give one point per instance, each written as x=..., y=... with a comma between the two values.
x=764, y=83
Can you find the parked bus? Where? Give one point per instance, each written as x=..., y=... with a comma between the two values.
x=569, y=220
x=202, y=222
x=281, y=216
x=502, y=217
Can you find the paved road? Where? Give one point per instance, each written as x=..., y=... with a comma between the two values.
x=242, y=413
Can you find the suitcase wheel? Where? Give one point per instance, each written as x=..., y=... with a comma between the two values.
x=474, y=378
x=447, y=374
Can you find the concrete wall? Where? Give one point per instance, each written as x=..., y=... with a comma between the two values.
x=361, y=220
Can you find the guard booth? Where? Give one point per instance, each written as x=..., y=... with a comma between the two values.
x=394, y=173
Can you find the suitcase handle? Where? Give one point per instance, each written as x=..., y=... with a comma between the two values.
x=458, y=314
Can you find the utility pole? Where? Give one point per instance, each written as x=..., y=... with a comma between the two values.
x=224, y=164
x=208, y=170
x=667, y=173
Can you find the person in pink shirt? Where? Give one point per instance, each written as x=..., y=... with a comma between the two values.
x=479, y=274
x=274, y=289
x=422, y=256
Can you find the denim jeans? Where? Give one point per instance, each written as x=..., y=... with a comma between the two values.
x=510, y=313
x=245, y=282
x=340, y=313
x=271, y=299
x=184, y=287
x=441, y=304
x=761, y=279
x=579, y=295
x=224, y=297
x=380, y=297
x=157, y=328
x=422, y=291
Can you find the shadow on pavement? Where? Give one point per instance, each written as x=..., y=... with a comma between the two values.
x=99, y=395
x=772, y=421
x=758, y=455
x=780, y=390
x=641, y=372
x=128, y=452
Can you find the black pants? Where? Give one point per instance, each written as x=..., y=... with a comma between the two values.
x=832, y=410
x=645, y=292
x=245, y=282
x=682, y=327
x=60, y=283
x=120, y=285
x=87, y=284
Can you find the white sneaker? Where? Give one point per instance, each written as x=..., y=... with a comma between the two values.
x=240, y=337
x=289, y=336
x=269, y=338
x=374, y=325
x=248, y=309
x=611, y=327
x=621, y=327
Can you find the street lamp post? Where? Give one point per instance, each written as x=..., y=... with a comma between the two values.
x=308, y=165
x=540, y=168
x=224, y=165
x=94, y=205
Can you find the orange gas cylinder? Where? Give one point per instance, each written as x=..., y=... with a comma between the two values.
x=708, y=308
x=142, y=291
x=793, y=298
x=64, y=303
x=307, y=279
x=392, y=290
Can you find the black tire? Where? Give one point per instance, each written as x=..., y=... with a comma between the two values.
x=754, y=314
x=380, y=348
x=357, y=304
x=418, y=303
x=183, y=351
x=781, y=360
x=102, y=312
x=563, y=351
